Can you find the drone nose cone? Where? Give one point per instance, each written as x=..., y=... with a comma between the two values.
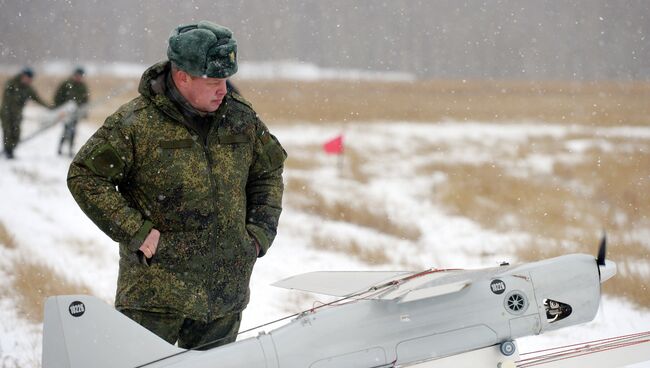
x=607, y=271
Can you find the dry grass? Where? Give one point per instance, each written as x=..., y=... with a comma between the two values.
x=33, y=282
x=564, y=209
x=596, y=103
x=632, y=286
x=298, y=301
x=302, y=160
x=7, y=239
x=354, y=165
x=591, y=103
x=81, y=247
x=301, y=195
x=620, y=185
x=352, y=249
x=604, y=191
x=487, y=194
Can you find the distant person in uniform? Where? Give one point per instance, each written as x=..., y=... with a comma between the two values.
x=72, y=89
x=188, y=180
x=18, y=90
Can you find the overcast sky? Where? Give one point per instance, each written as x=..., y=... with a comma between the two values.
x=529, y=39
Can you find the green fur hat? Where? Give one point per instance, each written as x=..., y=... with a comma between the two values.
x=203, y=49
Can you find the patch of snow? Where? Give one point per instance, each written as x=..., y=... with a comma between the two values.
x=49, y=227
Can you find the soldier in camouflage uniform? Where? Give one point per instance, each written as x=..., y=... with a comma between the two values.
x=189, y=181
x=72, y=89
x=18, y=90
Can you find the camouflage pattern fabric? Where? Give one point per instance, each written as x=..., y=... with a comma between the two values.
x=76, y=91
x=10, y=132
x=71, y=90
x=211, y=200
x=15, y=97
x=189, y=333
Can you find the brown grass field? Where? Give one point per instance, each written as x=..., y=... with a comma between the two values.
x=593, y=103
x=565, y=210
x=602, y=103
x=34, y=282
x=313, y=202
x=7, y=239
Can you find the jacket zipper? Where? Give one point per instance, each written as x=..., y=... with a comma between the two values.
x=213, y=224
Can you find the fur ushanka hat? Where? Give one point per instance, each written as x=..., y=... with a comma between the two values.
x=203, y=49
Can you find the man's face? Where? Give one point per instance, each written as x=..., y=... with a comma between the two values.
x=26, y=79
x=206, y=94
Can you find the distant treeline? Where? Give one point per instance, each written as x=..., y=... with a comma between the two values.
x=511, y=39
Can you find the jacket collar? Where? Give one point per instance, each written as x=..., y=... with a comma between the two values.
x=160, y=89
x=152, y=86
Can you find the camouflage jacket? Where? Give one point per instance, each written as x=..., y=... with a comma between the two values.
x=211, y=200
x=15, y=97
x=71, y=90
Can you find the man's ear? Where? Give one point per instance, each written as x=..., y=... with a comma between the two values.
x=182, y=78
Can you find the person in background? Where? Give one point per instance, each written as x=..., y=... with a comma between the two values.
x=18, y=90
x=188, y=180
x=72, y=89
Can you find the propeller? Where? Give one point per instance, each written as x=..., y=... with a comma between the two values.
x=602, y=251
x=606, y=269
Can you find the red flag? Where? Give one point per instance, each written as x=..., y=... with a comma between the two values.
x=334, y=146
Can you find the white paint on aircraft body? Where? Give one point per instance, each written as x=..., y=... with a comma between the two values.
x=421, y=319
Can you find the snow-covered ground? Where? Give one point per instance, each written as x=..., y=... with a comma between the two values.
x=48, y=227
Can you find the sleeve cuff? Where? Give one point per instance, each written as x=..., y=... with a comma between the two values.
x=139, y=237
x=259, y=235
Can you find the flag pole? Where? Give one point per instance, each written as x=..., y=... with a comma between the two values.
x=340, y=162
x=335, y=147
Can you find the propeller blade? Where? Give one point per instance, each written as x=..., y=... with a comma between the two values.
x=602, y=251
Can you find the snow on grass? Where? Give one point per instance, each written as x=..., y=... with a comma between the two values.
x=47, y=225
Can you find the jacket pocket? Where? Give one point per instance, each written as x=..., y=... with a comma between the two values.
x=160, y=250
x=233, y=139
x=176, y=250
x=175, y=144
